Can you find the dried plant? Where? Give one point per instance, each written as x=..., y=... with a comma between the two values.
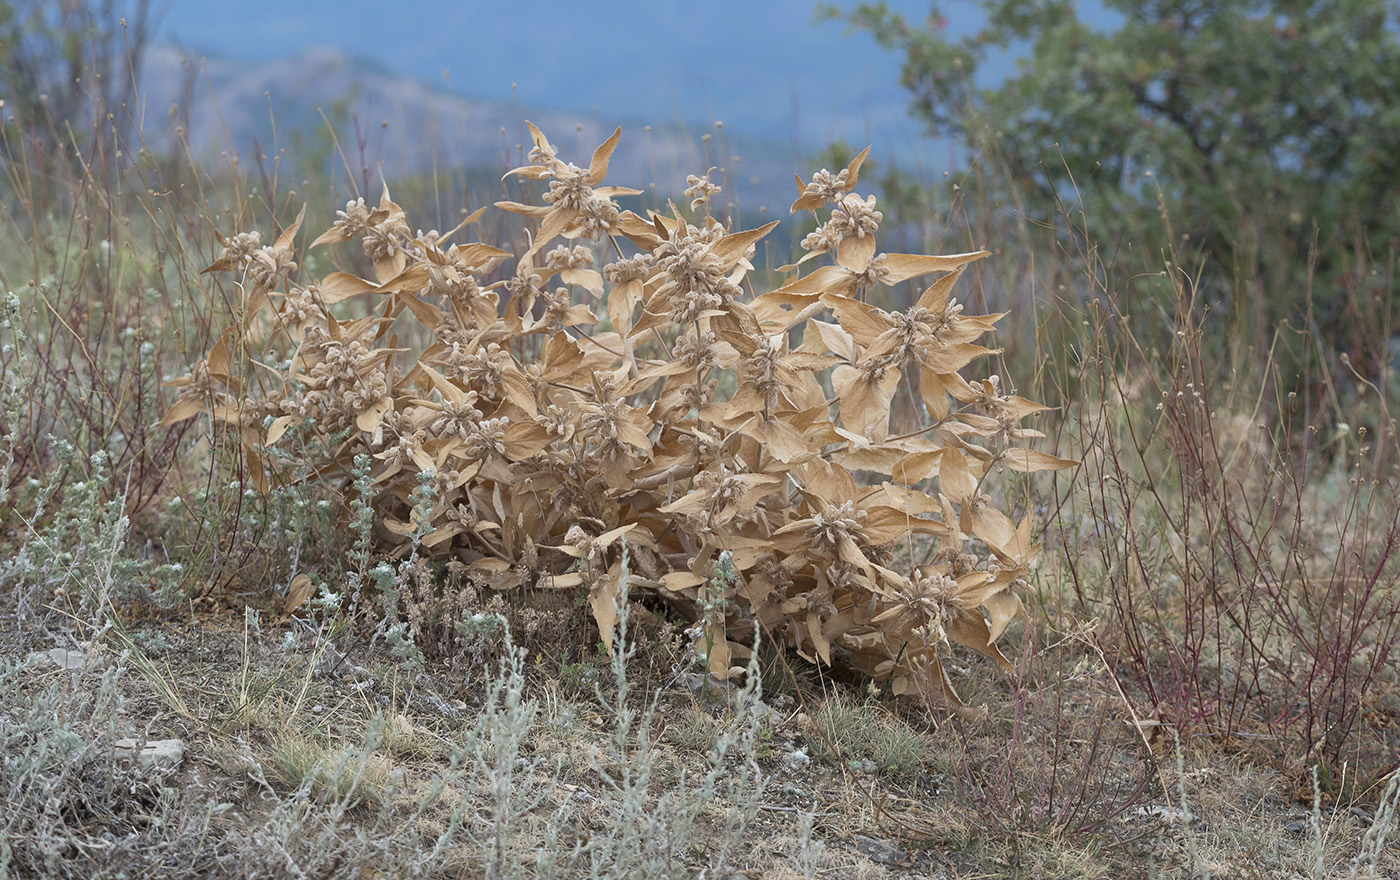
x=528, y=439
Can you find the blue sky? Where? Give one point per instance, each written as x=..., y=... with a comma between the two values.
x=764, y=67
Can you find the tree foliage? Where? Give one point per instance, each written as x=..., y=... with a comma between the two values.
x=1267, y=125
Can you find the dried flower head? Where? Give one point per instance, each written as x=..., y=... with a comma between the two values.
x=636, y=268
x=827, y=186
x=695, y=275
x=565, y=257
x=700, y=189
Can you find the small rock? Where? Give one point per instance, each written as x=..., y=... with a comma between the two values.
x=67, y=658
x=164, y=754
x=699, y=684
x=714, y=691
x=1168, y=815
x=884, y=853
x=859, y=765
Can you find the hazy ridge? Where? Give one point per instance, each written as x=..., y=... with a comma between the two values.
x=410, y=127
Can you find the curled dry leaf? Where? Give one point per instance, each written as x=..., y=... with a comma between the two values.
x=298, y=593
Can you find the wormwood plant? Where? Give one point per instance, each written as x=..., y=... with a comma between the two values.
x=515, y=430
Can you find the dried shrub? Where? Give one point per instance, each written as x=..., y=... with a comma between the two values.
x=700, y=422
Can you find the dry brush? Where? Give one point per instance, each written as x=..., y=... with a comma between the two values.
x=525, y=424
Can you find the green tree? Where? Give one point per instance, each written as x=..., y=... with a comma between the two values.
x=1271, y=127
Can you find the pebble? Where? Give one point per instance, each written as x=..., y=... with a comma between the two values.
x=884, y=853
x=71, y=659
x=162, y=754
x=712, y=690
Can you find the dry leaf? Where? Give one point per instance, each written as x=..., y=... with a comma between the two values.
x=300, y=590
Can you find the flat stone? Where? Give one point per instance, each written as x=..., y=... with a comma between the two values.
x=164, y=754
x=698, y=683
x=883, y=853
x=71, y=659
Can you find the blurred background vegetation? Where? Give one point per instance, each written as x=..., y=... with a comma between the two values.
x=1251, y=148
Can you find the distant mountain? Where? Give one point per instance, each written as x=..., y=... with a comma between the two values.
x=410, y=127
x=769, y=69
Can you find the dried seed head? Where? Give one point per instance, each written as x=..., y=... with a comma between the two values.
x=200, y=382
x=696, y=351
x=399, y=453
x=456, y=419
x=931, y=596
x=386, y=239
x=700, y=189
x=541, y=154
x=354, y=220
x=462, y=514
x=699, y=395
x=874, y=371
x=481, y=370
x=876, y=272
x=301, y=304
x=557, y=421
x=829, y=186
x=600, y=426
x=823, y=239
x=567, y=191
x=453, y=285
x=761, y=369
x=346, y=382
x=637, y=268
x=835, y=522
x=268, y=265
x=695, y=276
x=565, y=257
x=959, y=563
x=706, y=442
x=486, y=439
x=854, y=217
x=599, y=216
x=524, y=286
x=242, y=246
